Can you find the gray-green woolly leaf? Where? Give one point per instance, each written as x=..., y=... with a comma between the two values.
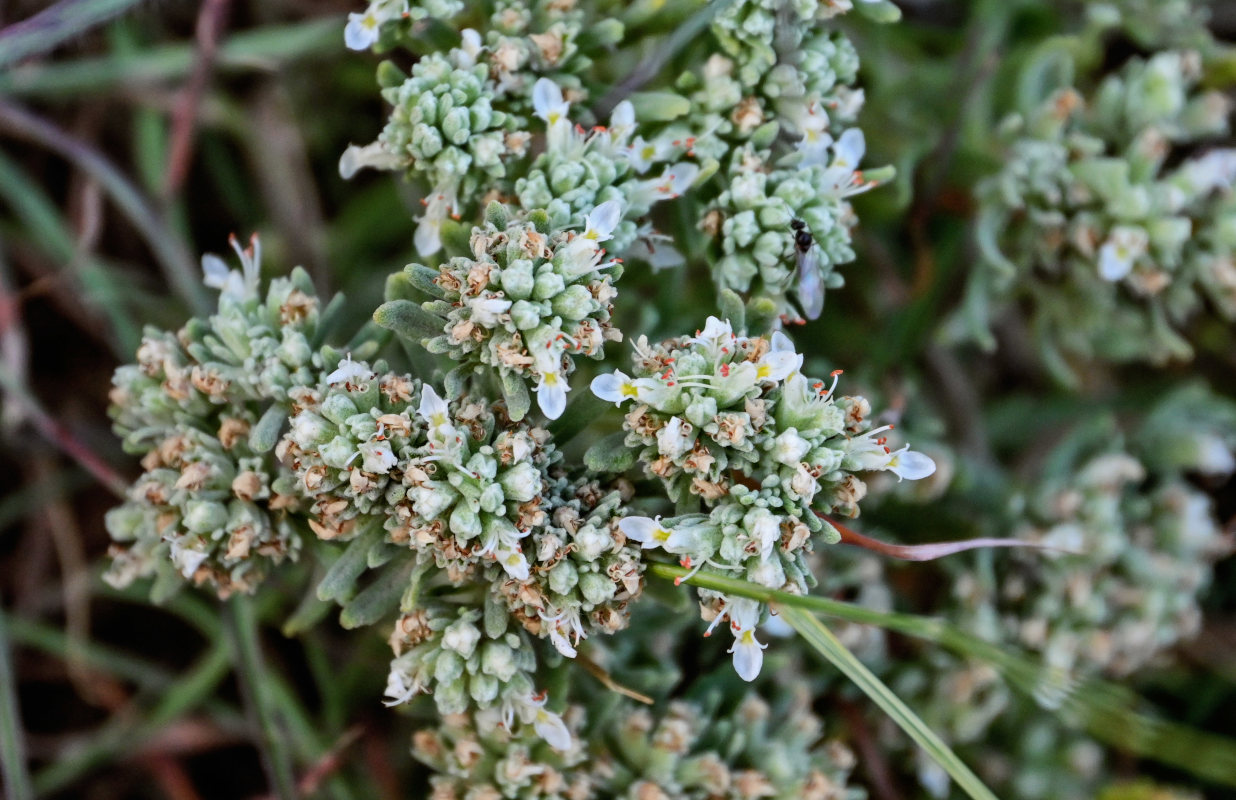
x=708, y=168
x=308, y=614
x=602, y=34
x=881, y=11
x=382, y=553
x=1051, y=67
x=265, y=434
x=455, y=382
x=515, y=392
x=610, y=454
x=329, y=319
x=829, y=534
x=456, y=237
x=399, y=287
x=540, y=220
x=422, y=277
x=581, y=410
x=761, y=316
x=496, y=616
x=167, y=582
x=411, y=598
x=390, y=76
x=497, y=215
x=368, y=348
x=659, y=106
x=987, y=235
x=362, y=343
x=340, y=579
x=408, y=319
x=763, y=136
x=731, y=307
x=882, y=174
x=380, y=598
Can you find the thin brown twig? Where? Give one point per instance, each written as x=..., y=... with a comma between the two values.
x=929, y=552
x=210, y=22
x=597, y=671
x=330, y=762
x=59, y=435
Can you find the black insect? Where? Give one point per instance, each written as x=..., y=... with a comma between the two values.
x=810, y=279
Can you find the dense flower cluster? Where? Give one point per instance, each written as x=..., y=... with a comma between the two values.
x=780, y=75
x=754, y=751
x=730, y=421
x=527, y=302
x=203, y=407
x=1105, y=223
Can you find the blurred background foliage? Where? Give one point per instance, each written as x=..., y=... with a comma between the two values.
x=134, y=146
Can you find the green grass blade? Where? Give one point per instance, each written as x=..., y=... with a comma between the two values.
x=245, y=51
x=124, y=735
x=255, y=686
x=55, y=25
x=1109, y=712
x=17, y=784
x=826, y=644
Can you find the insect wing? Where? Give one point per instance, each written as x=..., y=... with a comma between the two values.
x=810, y=283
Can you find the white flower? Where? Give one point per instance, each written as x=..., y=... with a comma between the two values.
x=552, y=388
x=466, y=54
x=618, y=387
x=621, y=122
x=748, y=654
x=764, y=528
x=434, y=411
x=511, y=559
x=674, y=439
x=649, y=533
x=816, y=140
x=307, y=429
x=599, y=225
x=548, y=725
x=377, y=457
x=438, y=205
x=548, y=104
x=642, y=154
x=780, y=361
x=488, y=311
x=373, y=155
x=842, y=177
x=1215, y=170
x=362, y=30
x=349, y=371
x=1123, y=247
x=400, y=686
x=462, y=637
x=240, y=285
x=562, y=628
x=187, y=559
x=789, y=448
x=1214, y=457
x=908, y=464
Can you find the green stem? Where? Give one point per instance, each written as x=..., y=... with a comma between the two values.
x=260, y=700
x=17, y=784
x=823, y=640
x=1107, y=711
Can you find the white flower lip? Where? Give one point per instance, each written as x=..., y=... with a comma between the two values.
x=547, y=102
